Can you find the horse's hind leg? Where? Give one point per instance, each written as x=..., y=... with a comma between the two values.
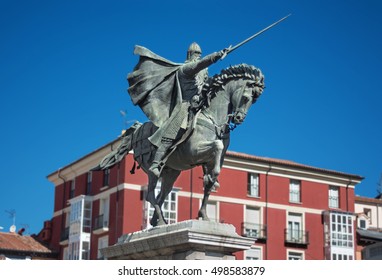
x=169, y=177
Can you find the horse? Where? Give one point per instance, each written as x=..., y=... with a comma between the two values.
x=227, y=98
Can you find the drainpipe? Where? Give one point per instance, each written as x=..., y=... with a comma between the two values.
x=347, y=195
x=63, y=199
x=266, y=207
x=117, y=203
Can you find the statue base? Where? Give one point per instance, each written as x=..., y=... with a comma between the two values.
x=188, y=240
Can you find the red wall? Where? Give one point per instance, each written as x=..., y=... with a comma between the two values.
x=126, y=206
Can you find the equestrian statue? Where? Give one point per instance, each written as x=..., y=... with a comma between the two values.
x=191, y=116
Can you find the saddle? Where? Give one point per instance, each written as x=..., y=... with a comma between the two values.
x=142, y=145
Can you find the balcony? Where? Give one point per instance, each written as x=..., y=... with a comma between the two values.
x=101, y=225
x=64, y=238
x=257, y=231
x=296, y=237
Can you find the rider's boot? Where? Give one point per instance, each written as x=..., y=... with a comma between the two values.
x=157, y=165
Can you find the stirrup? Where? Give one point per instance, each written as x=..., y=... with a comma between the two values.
x=156, y=168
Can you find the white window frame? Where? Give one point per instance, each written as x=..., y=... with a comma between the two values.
x=255, y=253
x=341, y=230
x=295, y=255
x=295, y=191
x=253, y=185
x=252, y=227
x=103, y=242
x=334, y=197
x=295, y=226
x=104, y=209
x=65, y=253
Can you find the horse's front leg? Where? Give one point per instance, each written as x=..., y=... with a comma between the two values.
x=169, y=177
x=211, y=152
x=150, y=197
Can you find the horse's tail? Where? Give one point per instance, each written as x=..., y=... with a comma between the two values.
x=123, y=149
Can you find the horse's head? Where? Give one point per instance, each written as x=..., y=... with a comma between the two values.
x=248, y=86
x=242, y=83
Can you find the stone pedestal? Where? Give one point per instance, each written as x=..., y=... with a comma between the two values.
x=188, y=240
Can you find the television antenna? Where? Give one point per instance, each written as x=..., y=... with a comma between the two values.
x=126, y=122
x=12, y=215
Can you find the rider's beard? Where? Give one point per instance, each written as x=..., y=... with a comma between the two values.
x=193, y=59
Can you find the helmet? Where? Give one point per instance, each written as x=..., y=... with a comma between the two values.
x=193, y=48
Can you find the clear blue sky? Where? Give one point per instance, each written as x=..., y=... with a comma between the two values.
x=63, y=67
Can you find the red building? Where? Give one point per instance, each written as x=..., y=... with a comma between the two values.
x=292, y=211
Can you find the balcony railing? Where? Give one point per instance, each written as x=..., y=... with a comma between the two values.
x=257, y=231
x=100, y=224
x=299, y=237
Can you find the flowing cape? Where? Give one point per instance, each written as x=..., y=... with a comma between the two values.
x=154, y=85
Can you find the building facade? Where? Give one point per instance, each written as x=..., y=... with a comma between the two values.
x=292, y=211
x=369, y=227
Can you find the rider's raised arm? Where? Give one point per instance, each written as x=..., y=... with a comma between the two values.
x=193, y=68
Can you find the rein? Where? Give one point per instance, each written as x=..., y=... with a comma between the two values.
x=221, y=130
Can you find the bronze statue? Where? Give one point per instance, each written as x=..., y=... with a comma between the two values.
x=188, y=82
x=226, y=98
x=190, y=115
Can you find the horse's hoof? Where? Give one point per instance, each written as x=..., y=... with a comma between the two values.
x=153, y=223
x=216, y=186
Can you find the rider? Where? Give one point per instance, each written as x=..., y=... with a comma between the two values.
x=192, y=75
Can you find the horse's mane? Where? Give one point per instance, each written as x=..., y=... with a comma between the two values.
x=240, y=71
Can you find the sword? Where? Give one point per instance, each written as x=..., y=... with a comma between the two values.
x=231, y=49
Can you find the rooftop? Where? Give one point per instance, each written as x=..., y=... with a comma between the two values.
x=20, y=244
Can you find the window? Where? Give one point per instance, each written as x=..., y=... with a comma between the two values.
x=106, y=177
x=103, y=242
x=341, y=257
x=252, y=222
x=294, y=230
x=253, y=254
x=74, y=250
x=89, y=180
x=294, y=191
x=253, y=185
x=85, y=250
x=87, y=216
x=362, y=224
x=104, y=212
x=65, y=253
x=339, y=235
x=341, y=230
x=333, y=197
x=367, y=212
x=295, y=256
x=72, y=188
x=79, y=228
